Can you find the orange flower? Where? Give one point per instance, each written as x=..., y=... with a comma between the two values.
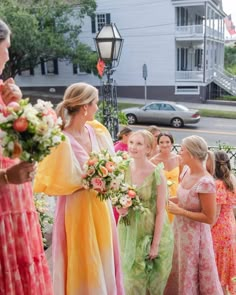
x=110, y=166
x=103, y=171
x=92, y=161
x=17, y=150
x=131, y=193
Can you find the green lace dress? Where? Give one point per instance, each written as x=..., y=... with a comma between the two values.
x=140, y=273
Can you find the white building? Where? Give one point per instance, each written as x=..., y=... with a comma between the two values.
x=180, y=41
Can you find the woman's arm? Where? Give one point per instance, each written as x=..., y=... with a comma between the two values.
x=160, y=210
x=208, y=213
x=218, y=209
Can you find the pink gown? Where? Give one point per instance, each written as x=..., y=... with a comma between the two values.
x=23, y=266
x=223, y=235
x=194, y=269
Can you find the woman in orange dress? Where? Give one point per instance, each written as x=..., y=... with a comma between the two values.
x=224, y=230
x=23, y=265
x=171, y=163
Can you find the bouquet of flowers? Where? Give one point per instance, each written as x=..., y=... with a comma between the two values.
x=29, y=131
x=127, y=198
x=105, y=173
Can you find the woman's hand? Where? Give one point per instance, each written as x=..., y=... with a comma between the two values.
x=153, y=253
x=122, y=211
x=10, y=91
x=20, y=173
x=174, y=208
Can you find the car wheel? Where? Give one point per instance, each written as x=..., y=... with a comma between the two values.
x=131, y=119
x=177, y=122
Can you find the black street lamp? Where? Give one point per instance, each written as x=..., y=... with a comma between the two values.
x=109, y=45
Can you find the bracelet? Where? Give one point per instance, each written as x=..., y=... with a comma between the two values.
x=186, y=213
x=5, y=177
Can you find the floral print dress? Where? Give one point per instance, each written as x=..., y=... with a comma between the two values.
x=194, y=270
x=223, y=234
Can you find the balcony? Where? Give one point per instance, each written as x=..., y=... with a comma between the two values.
x=189, y=76
x=197, y=32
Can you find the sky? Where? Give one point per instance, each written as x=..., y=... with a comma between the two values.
x=229, y=7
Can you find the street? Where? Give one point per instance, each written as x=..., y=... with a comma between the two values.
x=213, y=130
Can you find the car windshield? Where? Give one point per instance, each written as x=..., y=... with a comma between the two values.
x=182, y=108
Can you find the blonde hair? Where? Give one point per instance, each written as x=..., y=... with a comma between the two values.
x=153, y=129
x=76, y=95
x=197, y=146
x=147, y=136
x=4, y=31
x=210, y=162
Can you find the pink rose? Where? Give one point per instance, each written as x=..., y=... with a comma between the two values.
x=98, y=184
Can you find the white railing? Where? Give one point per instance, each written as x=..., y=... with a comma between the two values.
x=189, y=30
x=198, y=31
x=189, y=76
x=225, y=80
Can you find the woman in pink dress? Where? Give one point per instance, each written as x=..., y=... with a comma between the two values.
x=23, y=266
x=224, y=230
x=194, y=270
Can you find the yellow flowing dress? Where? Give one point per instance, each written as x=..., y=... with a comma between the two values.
x=172, y=178
x=85, y=243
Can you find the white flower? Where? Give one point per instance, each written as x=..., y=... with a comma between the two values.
x=123, y=200
x=10, y=146
x=56, y=139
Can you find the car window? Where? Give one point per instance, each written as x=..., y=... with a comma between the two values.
x=153, y=106
x=166, y=107
x=181, y=107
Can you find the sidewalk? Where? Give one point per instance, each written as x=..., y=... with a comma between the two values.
x=210, y=104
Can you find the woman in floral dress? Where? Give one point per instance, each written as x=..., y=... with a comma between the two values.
x=23, y=266
x=194, y=270
x=224, y=230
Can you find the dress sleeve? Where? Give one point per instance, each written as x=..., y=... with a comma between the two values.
x=103, y=136
x=206, y=186
x=159, y=168
x=59, y=173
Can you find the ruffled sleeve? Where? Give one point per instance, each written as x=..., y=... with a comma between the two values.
x=59, y=173
x=206, y=186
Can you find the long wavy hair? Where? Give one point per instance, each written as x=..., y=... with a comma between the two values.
x=223, y=169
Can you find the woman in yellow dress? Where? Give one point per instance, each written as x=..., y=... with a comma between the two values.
x=85, y=243
x=171, y=161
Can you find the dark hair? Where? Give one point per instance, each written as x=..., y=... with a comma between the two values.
x=124, y=131
x=165, y=134
x=4, y=31
x=223, y=169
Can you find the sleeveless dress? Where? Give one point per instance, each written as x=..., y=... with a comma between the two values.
x=194, y=270
x=23, y=265
x=85, y=242
x=172, y=178
x=140, y=273
x=223, y=235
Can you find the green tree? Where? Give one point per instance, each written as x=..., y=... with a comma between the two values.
x=46, y=29
x=230, y=59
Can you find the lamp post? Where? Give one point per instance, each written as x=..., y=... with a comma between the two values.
x=109, y=45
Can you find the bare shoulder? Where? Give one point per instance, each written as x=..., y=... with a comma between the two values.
x=156, y=159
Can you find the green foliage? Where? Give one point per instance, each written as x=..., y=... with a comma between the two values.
x=121, y=116
x=217, y=114
x=230, y=59
x=45, y=29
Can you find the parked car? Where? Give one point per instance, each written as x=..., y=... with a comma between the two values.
x=163, y=112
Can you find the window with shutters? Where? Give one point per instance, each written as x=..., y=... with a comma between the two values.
x=99, y=20
x=49, y=67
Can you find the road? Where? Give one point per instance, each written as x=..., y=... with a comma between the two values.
x=212, y=130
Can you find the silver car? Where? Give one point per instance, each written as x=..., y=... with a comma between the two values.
x=176, y=115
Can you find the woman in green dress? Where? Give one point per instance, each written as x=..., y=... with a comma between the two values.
x=147, y=243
